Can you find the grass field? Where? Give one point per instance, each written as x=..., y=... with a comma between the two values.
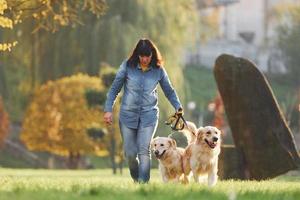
x=101, y=184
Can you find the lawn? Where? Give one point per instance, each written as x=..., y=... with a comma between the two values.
x=101, y=184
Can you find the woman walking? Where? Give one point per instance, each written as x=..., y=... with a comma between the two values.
x=140, y=74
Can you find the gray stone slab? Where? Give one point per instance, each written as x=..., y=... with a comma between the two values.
x=258, y=126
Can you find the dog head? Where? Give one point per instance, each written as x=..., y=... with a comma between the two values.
x=160, y=145
x=209, y=135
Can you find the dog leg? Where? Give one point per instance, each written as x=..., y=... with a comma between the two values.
x=165, y=179
x=212, y=179
x=184, y=179
x=176, y=179
x=194, y=167
x=163, y=173
x=212, y=175
x=195, y=175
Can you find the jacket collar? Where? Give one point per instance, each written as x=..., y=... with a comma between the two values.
x=149, y=68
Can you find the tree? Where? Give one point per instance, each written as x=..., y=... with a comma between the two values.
x=44, y=55
x=289, y=38
x=172, y=25
x=24, y=65
x=46, y=14
x=97, y=99
x=52, y=14
x=5, y=22
x=4, y=123
x=107, y=75
x=58, y=118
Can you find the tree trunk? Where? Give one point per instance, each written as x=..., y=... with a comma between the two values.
x=34, y=60
x=258, y=127
x=73, y=160
x=3, y=85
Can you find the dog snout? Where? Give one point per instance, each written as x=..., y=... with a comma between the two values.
x=215, y=139
x=156, y=152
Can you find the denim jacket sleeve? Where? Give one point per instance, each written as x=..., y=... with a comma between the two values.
x=169, y=90
x=115, y=88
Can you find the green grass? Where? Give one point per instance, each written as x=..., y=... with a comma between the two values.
x=101, y=184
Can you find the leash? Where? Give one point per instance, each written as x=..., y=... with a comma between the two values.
x=180, y=123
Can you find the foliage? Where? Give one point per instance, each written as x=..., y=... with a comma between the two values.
x=96, y=133
x=289, y=38
x=58, y=118
x=287, y=95
x=206, y=89
x=5, y=22
x=45, y=14
x=44, y=56
x=171, y=25
x=107, y=74
x=4, y=122
x=94, y=97
x=51, y=14
x=210, y=23
x=24, y=69
x=101, y=184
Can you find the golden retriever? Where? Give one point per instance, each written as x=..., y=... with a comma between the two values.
x=201, y=155
x=170, y=159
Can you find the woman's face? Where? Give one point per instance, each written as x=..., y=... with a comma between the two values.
x=145, y=60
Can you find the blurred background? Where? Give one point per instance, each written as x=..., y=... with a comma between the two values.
x=58, y=58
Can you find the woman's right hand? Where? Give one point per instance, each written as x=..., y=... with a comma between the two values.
x=179, y=111
x=108, y=118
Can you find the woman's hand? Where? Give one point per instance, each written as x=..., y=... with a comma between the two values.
x=108, y=118
x=180, y=112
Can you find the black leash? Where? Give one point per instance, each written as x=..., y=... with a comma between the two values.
x=177, y=126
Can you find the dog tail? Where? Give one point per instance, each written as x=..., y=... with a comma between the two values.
x=190, y=131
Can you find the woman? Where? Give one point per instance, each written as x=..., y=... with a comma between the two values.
x=140, y=75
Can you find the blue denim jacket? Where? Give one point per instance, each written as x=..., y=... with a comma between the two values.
x=139, y=101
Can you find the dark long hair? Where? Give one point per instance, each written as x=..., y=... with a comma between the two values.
x=145, y=47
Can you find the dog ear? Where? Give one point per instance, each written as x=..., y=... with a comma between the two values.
x=220, y=131
x=191, y=126
x=200, y=132
x=172, y=143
